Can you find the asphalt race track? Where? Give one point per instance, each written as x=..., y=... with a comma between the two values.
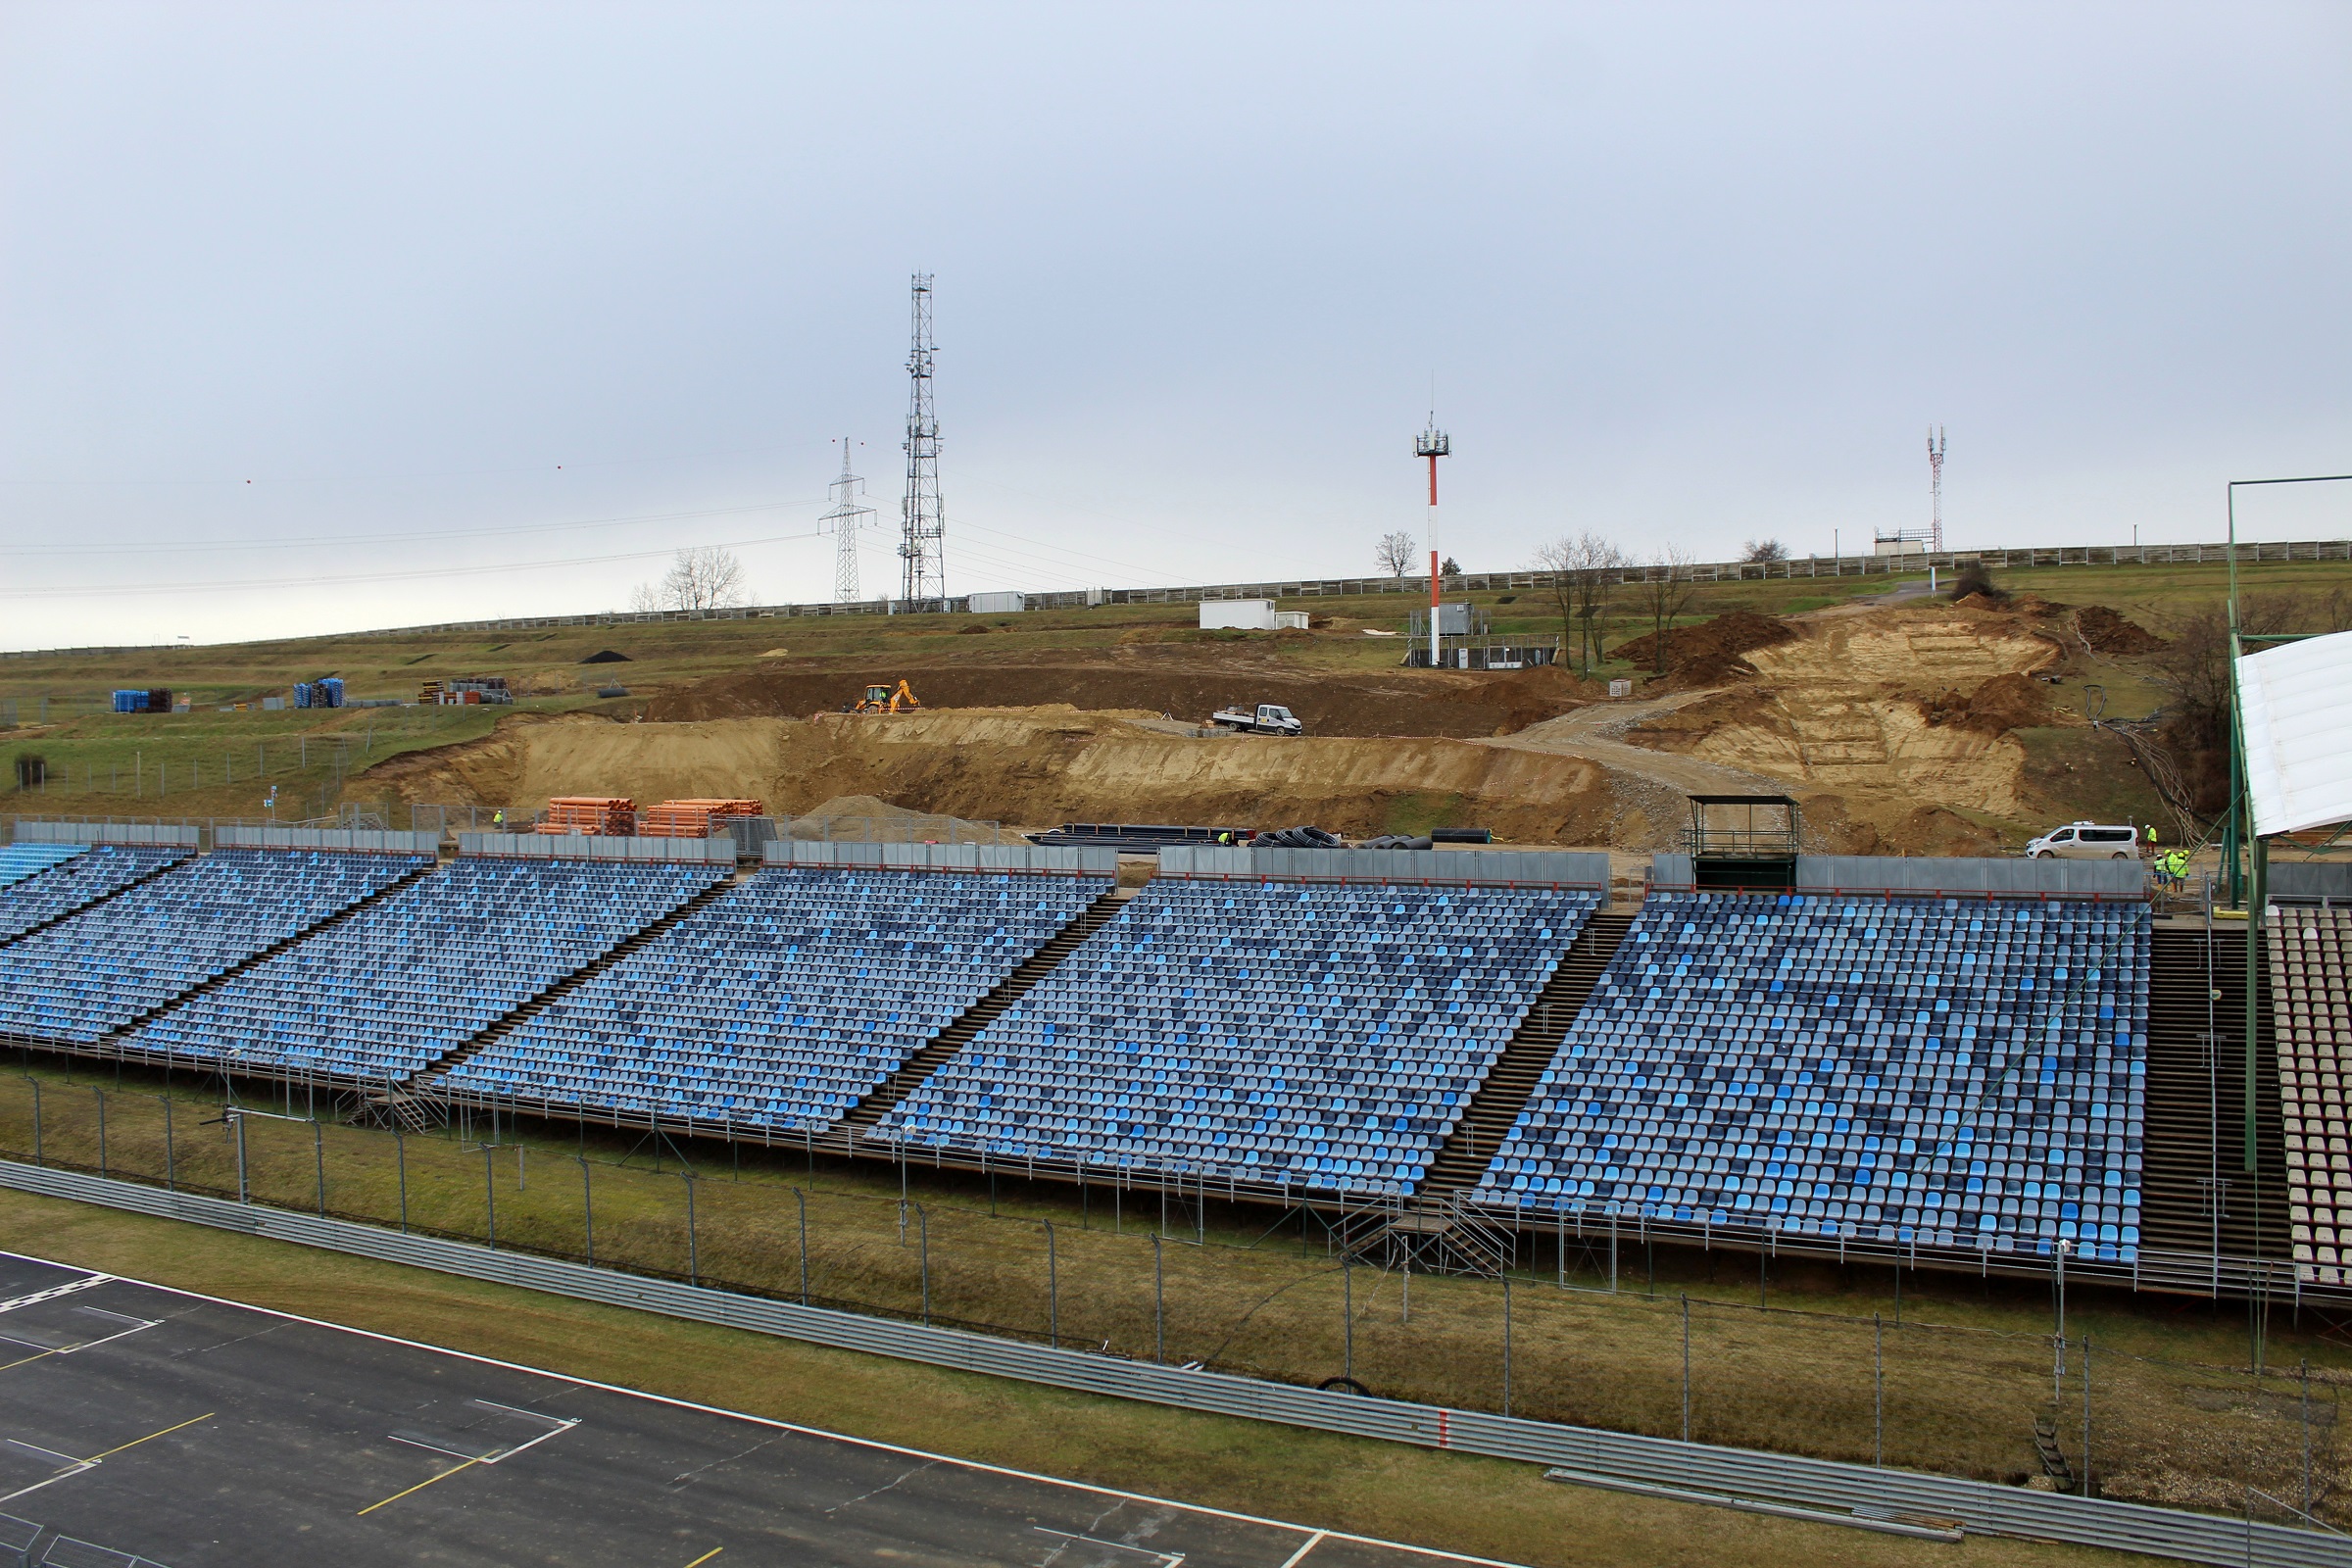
x=141, y=1424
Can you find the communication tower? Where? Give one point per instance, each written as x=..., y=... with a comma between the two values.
x=842, y=522
x=1433, y=444
x=1935, y=486
x=922, y=546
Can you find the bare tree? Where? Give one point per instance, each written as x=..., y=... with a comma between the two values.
x=1395, y=552
x=1584, y=574
x=1664, y=594
x=1760, y=552
x=645, y=598
x=704, y=577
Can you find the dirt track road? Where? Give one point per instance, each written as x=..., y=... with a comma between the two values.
x=1595, y=733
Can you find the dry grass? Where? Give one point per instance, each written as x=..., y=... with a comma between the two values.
x=1942, y=1382
x=1451, y=1501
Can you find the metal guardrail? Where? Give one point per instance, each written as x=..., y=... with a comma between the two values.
x=1819, y=1484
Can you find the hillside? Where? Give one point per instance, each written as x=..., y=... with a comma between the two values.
x=1904, y=723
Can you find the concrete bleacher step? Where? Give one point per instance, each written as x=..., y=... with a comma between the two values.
x=2196, y=1113
x=1496, y=1106
x=1014, y=986
x=90, y=902
x=429, y=1077
x=114, y=1038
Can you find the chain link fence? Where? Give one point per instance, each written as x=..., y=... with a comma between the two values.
x=1582, y=1337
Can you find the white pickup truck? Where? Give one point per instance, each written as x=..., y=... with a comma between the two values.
x=1267, y=718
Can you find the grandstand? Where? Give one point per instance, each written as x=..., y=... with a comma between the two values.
x=1285, y=1033
x=20, y=861
x=413, y=976
x=96, y=971
x=1940, y=1071
x=85, y=876
x=781, y=1006
x=1980, y=1080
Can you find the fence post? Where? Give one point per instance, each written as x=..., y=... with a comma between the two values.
x=1506, y=1340
x=319, y=1154
x=694, y=1262
x=804, y=1198
x=101, y=1094
x=2087, y=1414
x=399, y=1159
x=587, y=1211
x=1685, y=1367
x=922, y=1220
x=1348, y=1310
x=1878, y=1390
x=36, y=1117
x=170, y=1181
x=1054, y=1305
x=2304, y=1373
x=1160, y=1316
x=490, y=1192
x=244, y=1189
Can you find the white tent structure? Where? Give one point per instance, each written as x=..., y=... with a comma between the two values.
x=2295, y=706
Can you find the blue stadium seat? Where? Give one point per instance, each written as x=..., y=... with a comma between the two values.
x=77, y=882
x=97, y=972
x=20, y=861
x=783, y=1002
x=1942, y=1071
x=385, y=993
x=1304, y=1034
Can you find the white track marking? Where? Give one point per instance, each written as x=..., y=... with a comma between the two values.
x=1305, y=1547
x=575, y=1381
x=54, y=1291
x=1165, y=1559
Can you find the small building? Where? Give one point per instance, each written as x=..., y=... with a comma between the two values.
x=1249, y=615
x=997, y=604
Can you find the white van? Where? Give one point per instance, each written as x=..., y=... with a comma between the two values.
x=2086, y=841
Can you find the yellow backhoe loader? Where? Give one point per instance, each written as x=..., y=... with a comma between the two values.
x=881, y=699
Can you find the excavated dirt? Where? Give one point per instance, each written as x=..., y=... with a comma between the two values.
x=1709, y=653
x=1036, y=767
x=1863, y=707
x=2109, y=632
x=1185, y=682
x=2002, y=704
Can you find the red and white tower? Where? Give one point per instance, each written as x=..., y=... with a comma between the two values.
x=1433, y=444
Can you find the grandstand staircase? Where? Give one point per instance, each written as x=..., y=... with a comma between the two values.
x=980, y=1015
x=2196, y=1110
x=90, y=904
x=424, y=1085
x=110, y=1042
x=1496, y=1106
x=1437, y=1231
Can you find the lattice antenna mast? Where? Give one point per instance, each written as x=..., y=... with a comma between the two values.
x=922, y=546
x=1935, y=486
x=844, y=521
x=1433, y=444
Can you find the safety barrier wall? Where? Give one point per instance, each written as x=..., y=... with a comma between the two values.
x=106, y=833
x=594, y=847
x=1883, y=873
x=2310, y=879
x=947, y=857
x=1604, y=1456
x=1541, y=867
x=326, y=838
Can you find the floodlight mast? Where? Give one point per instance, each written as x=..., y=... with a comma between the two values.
x=1433, y=444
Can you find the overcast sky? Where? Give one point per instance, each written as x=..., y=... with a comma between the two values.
x=299, y=304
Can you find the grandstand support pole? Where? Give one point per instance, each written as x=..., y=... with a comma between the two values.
x=1053, y=1296
x=2255, y=916
x=694, y=1261
x=1159, y=1306
x=319, y=1158
x=588, y=1212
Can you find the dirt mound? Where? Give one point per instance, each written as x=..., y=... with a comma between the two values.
x=2109, y=632
x=1711, y=651
x=2001, y=705
x=1185, y=682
